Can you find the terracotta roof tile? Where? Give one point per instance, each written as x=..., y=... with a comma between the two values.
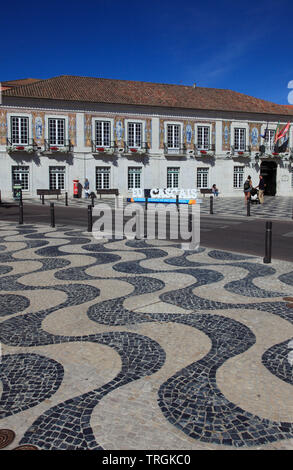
x=102, y=90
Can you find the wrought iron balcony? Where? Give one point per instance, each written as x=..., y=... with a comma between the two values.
x=243, y=152
x=274, y=151
x=64, y=147
x=103, y=149
x=208, y=151
x=173, y=151
x=29, y=147
x=136, y=150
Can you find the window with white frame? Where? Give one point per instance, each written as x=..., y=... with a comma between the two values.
x=56, y=133
x=134, y=133
x=57, y=177
x=134, y=178
x=20, y=175
x=103, y=133
x=238, y=177
x=173, y=177
x=19, y=130
x=203, y=137
x=103, y=177
x=202, y=177
x=173, y=136
x=270, y=138
x=239, y=139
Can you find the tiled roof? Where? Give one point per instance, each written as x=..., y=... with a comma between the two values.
x=101, y=90
x=21, y=81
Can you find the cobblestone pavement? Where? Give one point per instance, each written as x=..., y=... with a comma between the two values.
x=132, y=344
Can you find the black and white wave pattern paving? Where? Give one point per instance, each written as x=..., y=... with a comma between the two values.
x=158, y=279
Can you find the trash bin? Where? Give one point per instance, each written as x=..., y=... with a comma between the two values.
x=17, y=188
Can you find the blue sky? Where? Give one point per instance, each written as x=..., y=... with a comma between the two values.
x=243, y=46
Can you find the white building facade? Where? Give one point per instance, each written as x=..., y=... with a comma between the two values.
x=48, y=143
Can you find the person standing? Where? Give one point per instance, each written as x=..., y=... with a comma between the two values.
x=86, y=188
x=261, y=189
x=247, y=188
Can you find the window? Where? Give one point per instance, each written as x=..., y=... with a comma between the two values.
x=102, y=177
x=20, y=174
x=57, y=131
x=19, y=130
x=103, y=133
x=173, y=177
x=270, y=139
x=134, y=178
x=134, y=134
x=239, y=139
x=202, y=177
x=173, y=136
x=238, y=176
x=203, y=138
x=57, y=177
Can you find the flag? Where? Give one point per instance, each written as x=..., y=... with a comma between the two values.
x=277, y=132
x=284, y=131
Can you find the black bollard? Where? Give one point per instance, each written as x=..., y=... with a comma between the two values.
x=43, y=199
x=20, y=221
x=93, y=201
x=177, y=202
x=66, y=199
x=20, y=195
x=52, y=211
x=211, y=204
x=146, y=204
x=248, y=207
x=89, y=218
x=268, y=243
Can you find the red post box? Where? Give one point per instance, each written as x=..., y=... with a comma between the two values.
x=75, y=188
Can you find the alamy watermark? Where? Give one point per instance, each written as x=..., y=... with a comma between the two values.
x=164, y=222
x=290, y=95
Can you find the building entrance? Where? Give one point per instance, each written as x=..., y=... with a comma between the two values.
x=268, y=170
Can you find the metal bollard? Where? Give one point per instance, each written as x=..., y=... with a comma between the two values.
x=211, y=204
x=177, y=202
x=268, y=243
x=89, y=218
x=146, y=204
x=43, y=199
x=248, y=207
x=66, y=199
x=52, y=211
x=20, y=220
x=93, y=197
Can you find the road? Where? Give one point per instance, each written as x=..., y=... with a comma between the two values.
x=242, y=234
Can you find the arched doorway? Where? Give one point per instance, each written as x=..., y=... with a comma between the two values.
x=268, y=170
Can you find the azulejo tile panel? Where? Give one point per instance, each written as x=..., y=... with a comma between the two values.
x=34, y=389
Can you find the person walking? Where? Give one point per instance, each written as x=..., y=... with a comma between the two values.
x=261, y=189
x=247, y=188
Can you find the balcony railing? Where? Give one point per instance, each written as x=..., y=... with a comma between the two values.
x=244, y=152
x=173, y=151
x=29, y=147
x=103, y=149
x=136, y=150
x=208, y=151
x=274, y=151
x=65, y=147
